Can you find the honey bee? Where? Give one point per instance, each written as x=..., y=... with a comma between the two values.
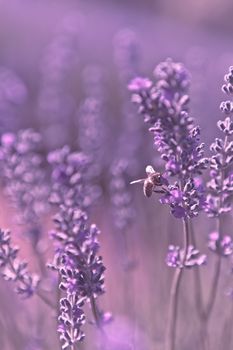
x=152, y=180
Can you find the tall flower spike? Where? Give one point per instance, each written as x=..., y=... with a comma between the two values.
x=15, y=270
x=56, y=104
x=76, y=259
x=175, y=136
x=81, y=270
x=219, y=191
x=168, y=97
x=24, y=178
x=125, y=164
x=90, y=120
x=164, y=105
x=220, y=187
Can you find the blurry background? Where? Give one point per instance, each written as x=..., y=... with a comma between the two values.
x=53, y=54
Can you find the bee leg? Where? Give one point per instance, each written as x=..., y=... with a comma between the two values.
x=159, y=191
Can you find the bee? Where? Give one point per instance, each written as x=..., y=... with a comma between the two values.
x=152, y=180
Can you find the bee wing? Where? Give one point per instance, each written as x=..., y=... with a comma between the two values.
x=149, y=169
x=137, y=181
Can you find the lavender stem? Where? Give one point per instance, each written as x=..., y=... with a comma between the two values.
x=174, y=293
x=197, y=279
x=95, y=312
x=199, y=297
x=45, y=300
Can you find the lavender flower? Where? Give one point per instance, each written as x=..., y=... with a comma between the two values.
x=91, y=124
x=120, y=197
x=221, y=245
x=12, y=269
x=177, y=257
x=175, y=137
x=68, y=183
x=125, y=164
x=220, y=187
x=24, y=178
x=164, y=105
x=90, y=116
x=70, y=321
x=56, y=104
x=168, y=97
x=13, y=95
x=81, y=271
x=76, y=259
x=138, y=85
x=186, y=203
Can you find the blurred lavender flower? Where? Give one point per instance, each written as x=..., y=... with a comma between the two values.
x=69, y=185
x=177, y=257
x=121, y=198
x=127, y=54
x=125, y=164
x=91, y=123
x=13, y=95
x=221, y=245
x=56, y=105
x=24, y=178
x=138, y=85
x=13, y=269
x=220, y=187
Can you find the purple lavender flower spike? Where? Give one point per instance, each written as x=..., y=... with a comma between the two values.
x=92, y=126
x=70, y=321
x=55, y=103
x=127, y=53
x=176, y=137
x=13, y=269
x=24, y=178
x=81, y=270
x=167, y=97
x=164, y=105
x=121, y=199
x=125, y=164
x=76, y=258
x=222, y=246
x=175, y=257
x=172, y=77
x=68, y=185
x=139, y=84
x=220, y=187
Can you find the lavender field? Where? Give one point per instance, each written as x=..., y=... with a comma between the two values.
x=116, y=175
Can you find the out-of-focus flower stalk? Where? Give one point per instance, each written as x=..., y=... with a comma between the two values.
x=174, y=292
x=24, y=178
